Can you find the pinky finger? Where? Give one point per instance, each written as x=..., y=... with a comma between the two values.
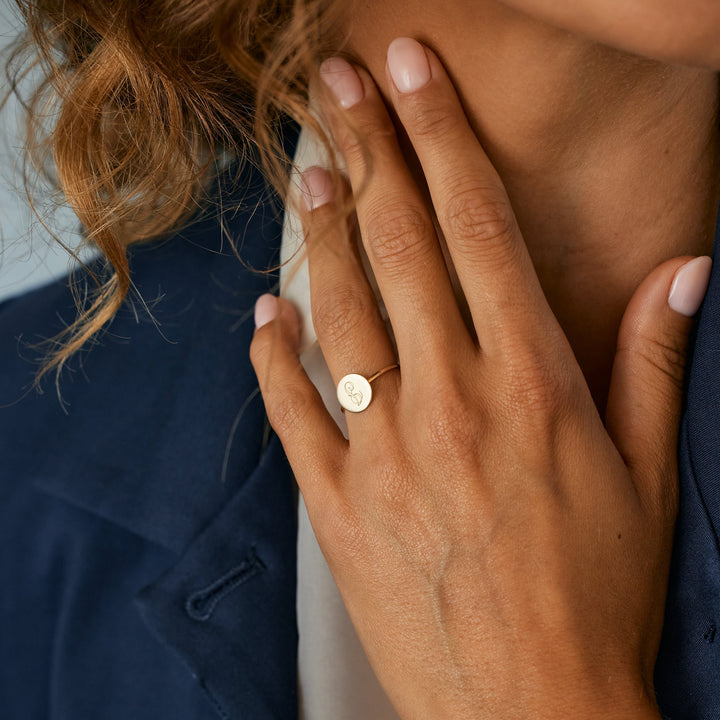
x=314, y=445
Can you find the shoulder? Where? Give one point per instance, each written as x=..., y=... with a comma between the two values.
x=176, y=354
x=152, y=468
x=205, y=274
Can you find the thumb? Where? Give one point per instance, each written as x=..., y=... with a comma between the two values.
x=643, y=410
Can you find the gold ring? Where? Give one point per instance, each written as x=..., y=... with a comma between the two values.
x=354, y=392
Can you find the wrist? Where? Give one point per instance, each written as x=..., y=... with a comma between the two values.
x=589, y=692
x=614, y=701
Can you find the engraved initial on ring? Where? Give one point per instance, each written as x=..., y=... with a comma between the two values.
x=355, y=397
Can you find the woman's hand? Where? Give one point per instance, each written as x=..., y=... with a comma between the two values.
x=684, y=31
x=502, y=553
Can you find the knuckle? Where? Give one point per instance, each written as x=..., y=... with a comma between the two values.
x=535, y=385
x=287, y=410
x=531, y=393
x=429, y=120
x=339, y=312
x=359, y=144
x=477, y=216
x=395, y=236
x=667, y=358
x=451, y=423
x=339, y=529
x=355, y=149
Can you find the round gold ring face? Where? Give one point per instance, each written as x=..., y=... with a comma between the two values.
x=354, y=393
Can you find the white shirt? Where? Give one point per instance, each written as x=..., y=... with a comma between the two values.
x=335, y=679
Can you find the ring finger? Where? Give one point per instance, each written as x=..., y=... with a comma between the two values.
x=346, y=316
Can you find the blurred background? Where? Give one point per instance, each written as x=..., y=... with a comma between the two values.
x=28, y=255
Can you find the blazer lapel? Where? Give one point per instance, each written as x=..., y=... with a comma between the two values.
x=162, y=431
x=161, y=422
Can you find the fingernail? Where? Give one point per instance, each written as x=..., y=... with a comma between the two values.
x=266, y=309
x=340, y=76
x=690, y=285
x=317, y=187
x=408, y=64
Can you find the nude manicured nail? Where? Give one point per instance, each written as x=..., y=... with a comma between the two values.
x=317, y=187
x=340, y=76
x=690, y=285
x=266, y=309
x=408, y=65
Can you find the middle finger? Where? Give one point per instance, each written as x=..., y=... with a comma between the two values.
x=472, y=206
x=396, y=228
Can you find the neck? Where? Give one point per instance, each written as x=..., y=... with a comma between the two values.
x=609, y=159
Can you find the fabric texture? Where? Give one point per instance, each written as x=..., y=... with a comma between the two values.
x=147, y=523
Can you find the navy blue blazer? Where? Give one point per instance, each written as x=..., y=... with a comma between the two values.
x=147, y=524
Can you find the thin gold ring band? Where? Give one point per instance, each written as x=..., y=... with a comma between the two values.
x=383, y=371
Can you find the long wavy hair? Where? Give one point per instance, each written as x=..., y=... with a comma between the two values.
x=146, y=96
